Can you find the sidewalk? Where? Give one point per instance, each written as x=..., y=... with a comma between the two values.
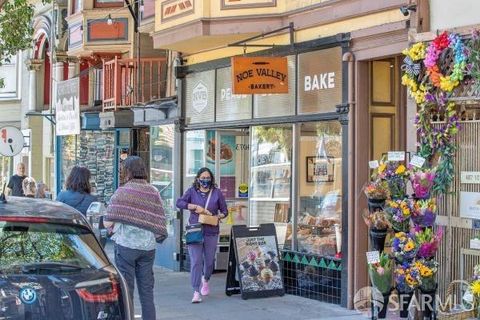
x=173, y=295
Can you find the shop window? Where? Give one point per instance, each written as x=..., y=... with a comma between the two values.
x=270, y=180
x=195, y=154
x=231, y=107
x=320, y=189
x=5, y=169
x=161, y=168
x=277, y=105
x=200, y=97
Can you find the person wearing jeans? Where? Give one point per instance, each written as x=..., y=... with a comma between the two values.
x=203, y=197
x=136, y=214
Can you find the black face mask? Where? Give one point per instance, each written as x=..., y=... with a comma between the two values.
x=205, y=183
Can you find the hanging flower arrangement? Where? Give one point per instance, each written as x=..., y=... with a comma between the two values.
x=431, y=88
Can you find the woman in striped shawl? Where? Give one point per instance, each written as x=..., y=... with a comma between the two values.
x=136, y=212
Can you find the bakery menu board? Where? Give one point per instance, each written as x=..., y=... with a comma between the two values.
x=258, y=266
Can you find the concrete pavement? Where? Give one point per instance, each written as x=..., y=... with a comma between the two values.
x=173, y=301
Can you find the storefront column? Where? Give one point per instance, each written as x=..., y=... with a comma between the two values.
x=72, y=68
x=33, y=66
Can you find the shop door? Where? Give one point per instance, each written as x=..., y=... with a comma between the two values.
x=230, y=158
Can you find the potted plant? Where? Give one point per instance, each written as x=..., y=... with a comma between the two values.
x=427, y=271
x=422, y=182
x=377, y=192
x=427, y=241
x=424, y=212
x=396, y=174
x=404, y=247
x=398, y=213
x=381, y=277
x=378, y=225
x=406, y=281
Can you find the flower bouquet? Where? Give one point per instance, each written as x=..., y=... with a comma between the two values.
x=422, y=182
x=427, y=270
x=377, y=192
x=406, y=280
x=398, y=213
x=396, y=175
x=424, y=212
x=404, y=248
x=427, y=242
x=381, y=277
x=376, y=220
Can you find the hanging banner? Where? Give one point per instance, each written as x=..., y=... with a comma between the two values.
x=67, y=107
x=259, y=75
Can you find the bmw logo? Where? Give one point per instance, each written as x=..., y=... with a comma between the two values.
x=27, y=295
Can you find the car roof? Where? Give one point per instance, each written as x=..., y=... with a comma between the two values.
x=31, y=207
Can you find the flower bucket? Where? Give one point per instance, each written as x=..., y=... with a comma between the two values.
x=404, y=299
x=382, y=314
x=378, y=239
x=427, y=303
x=376, y=204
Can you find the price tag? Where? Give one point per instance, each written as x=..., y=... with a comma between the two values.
x=396, y=156
x=417, y=161
x=373, y=257
x=373, y=164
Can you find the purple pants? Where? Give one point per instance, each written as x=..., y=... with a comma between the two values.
x=202, y=260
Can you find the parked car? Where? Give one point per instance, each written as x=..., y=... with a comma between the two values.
x=53, y=267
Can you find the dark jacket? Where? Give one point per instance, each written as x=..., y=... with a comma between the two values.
x=77, y=200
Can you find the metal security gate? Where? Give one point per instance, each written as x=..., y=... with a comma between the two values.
x=454, y=255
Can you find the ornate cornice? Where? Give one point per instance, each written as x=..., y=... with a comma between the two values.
x=34, y=64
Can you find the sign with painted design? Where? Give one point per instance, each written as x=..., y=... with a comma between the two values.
x=236, y=4
x=259, y=75
x=173, y=9
x=470, y=177
x=67, y=107
x=470, y=205
x=200, y=97
x=11, y=141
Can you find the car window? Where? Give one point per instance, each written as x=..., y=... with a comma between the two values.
x=29, y=243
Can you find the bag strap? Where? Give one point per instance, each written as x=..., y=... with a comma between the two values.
x=208, y=199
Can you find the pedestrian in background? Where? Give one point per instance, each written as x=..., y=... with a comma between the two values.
x=15, y=184
x=78, y=193
x=29, y=187
x=202, y=255
x=41, y=188
x=138, y=219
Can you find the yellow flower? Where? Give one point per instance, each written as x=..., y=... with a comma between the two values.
x=382, y=168
x=475, y=287
x=415, y=52
x=401, y=169
x=409, y=246
x=410, y=280
x=426, y=272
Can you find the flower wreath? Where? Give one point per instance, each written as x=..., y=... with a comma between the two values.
x=446, y=82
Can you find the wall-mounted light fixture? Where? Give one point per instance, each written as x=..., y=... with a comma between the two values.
x=405, y=10
x=109, y=20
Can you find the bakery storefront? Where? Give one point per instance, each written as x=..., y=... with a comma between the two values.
x=278, y=158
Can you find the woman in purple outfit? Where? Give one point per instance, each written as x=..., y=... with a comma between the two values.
x=202, y=256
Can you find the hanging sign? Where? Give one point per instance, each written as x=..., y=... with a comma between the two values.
x=11, y=141
x=259, y=75
x=67, y=107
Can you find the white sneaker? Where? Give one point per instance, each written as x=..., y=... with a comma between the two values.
x=196, y=297
x=205, y=290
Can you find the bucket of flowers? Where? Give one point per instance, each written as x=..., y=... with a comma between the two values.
x=427, y=270
x=424, y=212
x=378, y=225
x=381, y=277
x=406, y=281
x=398, y=213
x=377, y=192
x=427, y=241
x=396, y=174
x=404, y=247
x=422, y=182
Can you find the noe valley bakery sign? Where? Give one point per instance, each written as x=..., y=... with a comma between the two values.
x=259, y=75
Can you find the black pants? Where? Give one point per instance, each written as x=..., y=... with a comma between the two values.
x=133, y=263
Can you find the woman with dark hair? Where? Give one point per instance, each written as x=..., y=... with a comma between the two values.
x=203, y=197
x=136, y=214
x=78, y=190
